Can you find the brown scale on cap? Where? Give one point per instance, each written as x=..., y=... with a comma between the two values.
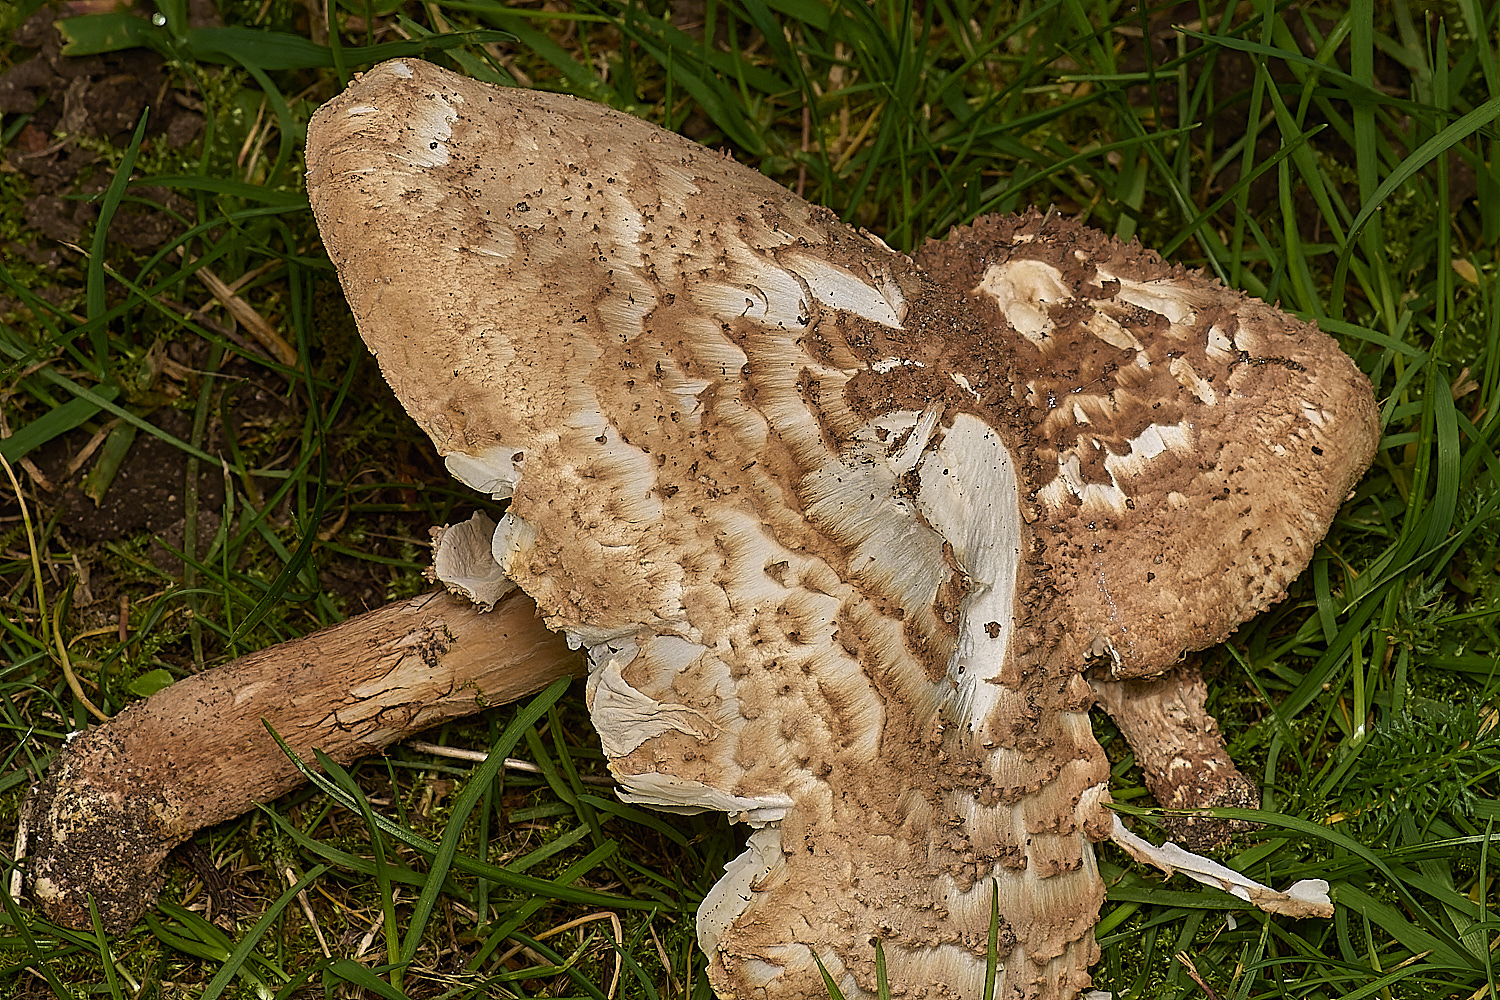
x=840, y=530
x=1193, y=444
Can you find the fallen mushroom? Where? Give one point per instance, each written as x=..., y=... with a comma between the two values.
x=840, y=530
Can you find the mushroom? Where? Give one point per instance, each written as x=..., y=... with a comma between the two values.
x=840, y=530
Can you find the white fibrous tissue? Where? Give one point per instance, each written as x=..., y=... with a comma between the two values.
x=463, y=563
x=1307, y=898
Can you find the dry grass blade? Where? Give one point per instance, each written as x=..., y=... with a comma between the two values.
x=245, y=314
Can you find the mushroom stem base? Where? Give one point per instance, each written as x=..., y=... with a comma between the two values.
x=118, y=798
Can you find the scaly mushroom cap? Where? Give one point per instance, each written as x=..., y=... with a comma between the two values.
x=840, y=530
x=1192, y=444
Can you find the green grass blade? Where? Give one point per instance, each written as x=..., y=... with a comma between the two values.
x=235, y=964
x=107, y=207
x=106, y=959
x=534, y=886
x=358, y=975
x=1417, y=161
x=473, y=790
x=55, y=422
x=96, y=34
x=35, y=959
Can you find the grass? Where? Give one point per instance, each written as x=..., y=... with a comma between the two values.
x=1342, y=159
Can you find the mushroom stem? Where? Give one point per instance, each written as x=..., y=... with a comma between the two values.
x=1180, y=751
x=118, y=798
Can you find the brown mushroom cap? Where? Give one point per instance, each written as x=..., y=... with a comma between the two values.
x=1192, y=444
x=840, y=531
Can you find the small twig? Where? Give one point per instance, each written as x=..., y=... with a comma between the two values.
x=858, y=140
x=479, y=757
x=146, y=980
x=45, y=150
x=83, y=573
x=87, y=451
x=37, y=476
x=67, y=666
x=307, y=910
x=368, y=941
x=664, y=958
x=318, y=26
x=246, y=316
x=331, y=532
x=251, y=134
x=1192, y=971
x=199, y=315
x=614, y=922
x=250, y=275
